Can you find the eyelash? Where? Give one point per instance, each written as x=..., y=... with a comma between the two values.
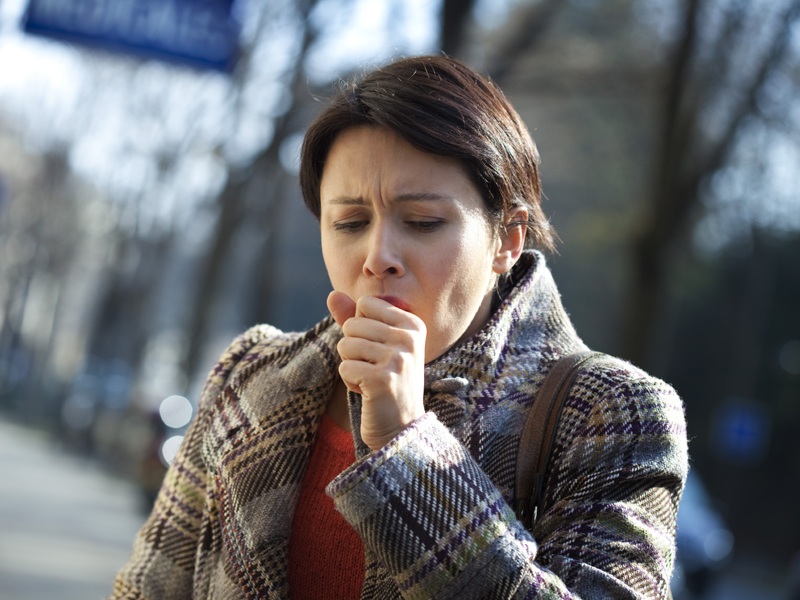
x=426, y=226
x=420, y=226
x=349, y=226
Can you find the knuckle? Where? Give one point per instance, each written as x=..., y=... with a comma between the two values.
x=404, y=338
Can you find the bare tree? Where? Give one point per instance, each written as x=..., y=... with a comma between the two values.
x=455, y=17
x=707, y=74
x=243, y=182
x=530, y=24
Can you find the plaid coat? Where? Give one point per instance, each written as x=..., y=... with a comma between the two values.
x=433, y=505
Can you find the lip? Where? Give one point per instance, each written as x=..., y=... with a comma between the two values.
x=397, y=302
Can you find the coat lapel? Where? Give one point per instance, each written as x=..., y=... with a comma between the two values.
x=267, y=422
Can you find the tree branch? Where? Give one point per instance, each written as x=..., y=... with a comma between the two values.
x=455, y=14
x=529, y=27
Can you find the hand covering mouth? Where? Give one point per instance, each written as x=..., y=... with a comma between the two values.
x=397, y=302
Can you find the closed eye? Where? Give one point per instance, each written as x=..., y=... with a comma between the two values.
x=350, y=226
x=425, y=226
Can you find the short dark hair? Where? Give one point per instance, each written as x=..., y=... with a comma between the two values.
x=439, y=105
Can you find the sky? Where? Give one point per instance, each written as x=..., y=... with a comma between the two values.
x=54, y=94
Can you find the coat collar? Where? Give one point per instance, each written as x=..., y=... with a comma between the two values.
x=528, y=330
x=529, y=319
x=265, y=419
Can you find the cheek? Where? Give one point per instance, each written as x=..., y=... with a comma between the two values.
x=471, y=260
x=337, y=263
x=327, y=257
x=464, y=278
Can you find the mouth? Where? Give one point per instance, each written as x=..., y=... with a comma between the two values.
x=397, y=302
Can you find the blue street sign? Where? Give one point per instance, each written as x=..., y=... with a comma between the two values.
x=199, y=33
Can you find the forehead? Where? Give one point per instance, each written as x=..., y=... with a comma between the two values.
x=369, y=160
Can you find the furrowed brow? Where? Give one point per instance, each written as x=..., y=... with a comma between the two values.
x=404, y=197
x=347, y=201
x=423, y=196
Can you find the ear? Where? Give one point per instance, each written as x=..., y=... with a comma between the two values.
x=512, y=240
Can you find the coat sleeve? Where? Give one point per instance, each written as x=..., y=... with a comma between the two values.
x=427, y=511
x=175, y=543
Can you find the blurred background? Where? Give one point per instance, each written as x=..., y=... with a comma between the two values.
x=149, y=212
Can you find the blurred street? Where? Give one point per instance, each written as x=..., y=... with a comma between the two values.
x=151, y=210
x=744, y=579
x=66, y=526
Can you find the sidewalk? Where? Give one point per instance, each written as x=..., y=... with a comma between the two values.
x=66, y=526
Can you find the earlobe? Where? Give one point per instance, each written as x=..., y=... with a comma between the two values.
x=512, y=241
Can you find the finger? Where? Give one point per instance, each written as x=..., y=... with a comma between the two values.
x=364, y=378
x=362, y=350
x=375, y=308
x=369, y=329
x=347, y=377
x=342, y=307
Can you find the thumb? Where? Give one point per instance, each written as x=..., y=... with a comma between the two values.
x=342, y=306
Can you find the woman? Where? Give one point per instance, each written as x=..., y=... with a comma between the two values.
x=409, y=400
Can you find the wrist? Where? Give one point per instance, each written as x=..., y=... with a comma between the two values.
x=377, y=440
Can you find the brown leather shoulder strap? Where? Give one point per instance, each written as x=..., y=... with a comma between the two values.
x=538, y=436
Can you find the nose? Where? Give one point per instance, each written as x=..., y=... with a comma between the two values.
x=383, y=253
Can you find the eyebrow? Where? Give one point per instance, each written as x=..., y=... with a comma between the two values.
x=405, y=197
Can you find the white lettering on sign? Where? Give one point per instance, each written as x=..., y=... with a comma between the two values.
x=197, y=29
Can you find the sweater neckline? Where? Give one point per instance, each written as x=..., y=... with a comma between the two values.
x=333, y=437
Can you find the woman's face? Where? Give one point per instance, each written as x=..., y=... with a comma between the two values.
x=409, y=227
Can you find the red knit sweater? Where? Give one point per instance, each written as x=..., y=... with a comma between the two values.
x=326, y=555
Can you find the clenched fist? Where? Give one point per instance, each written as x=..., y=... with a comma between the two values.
x=383, y=359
